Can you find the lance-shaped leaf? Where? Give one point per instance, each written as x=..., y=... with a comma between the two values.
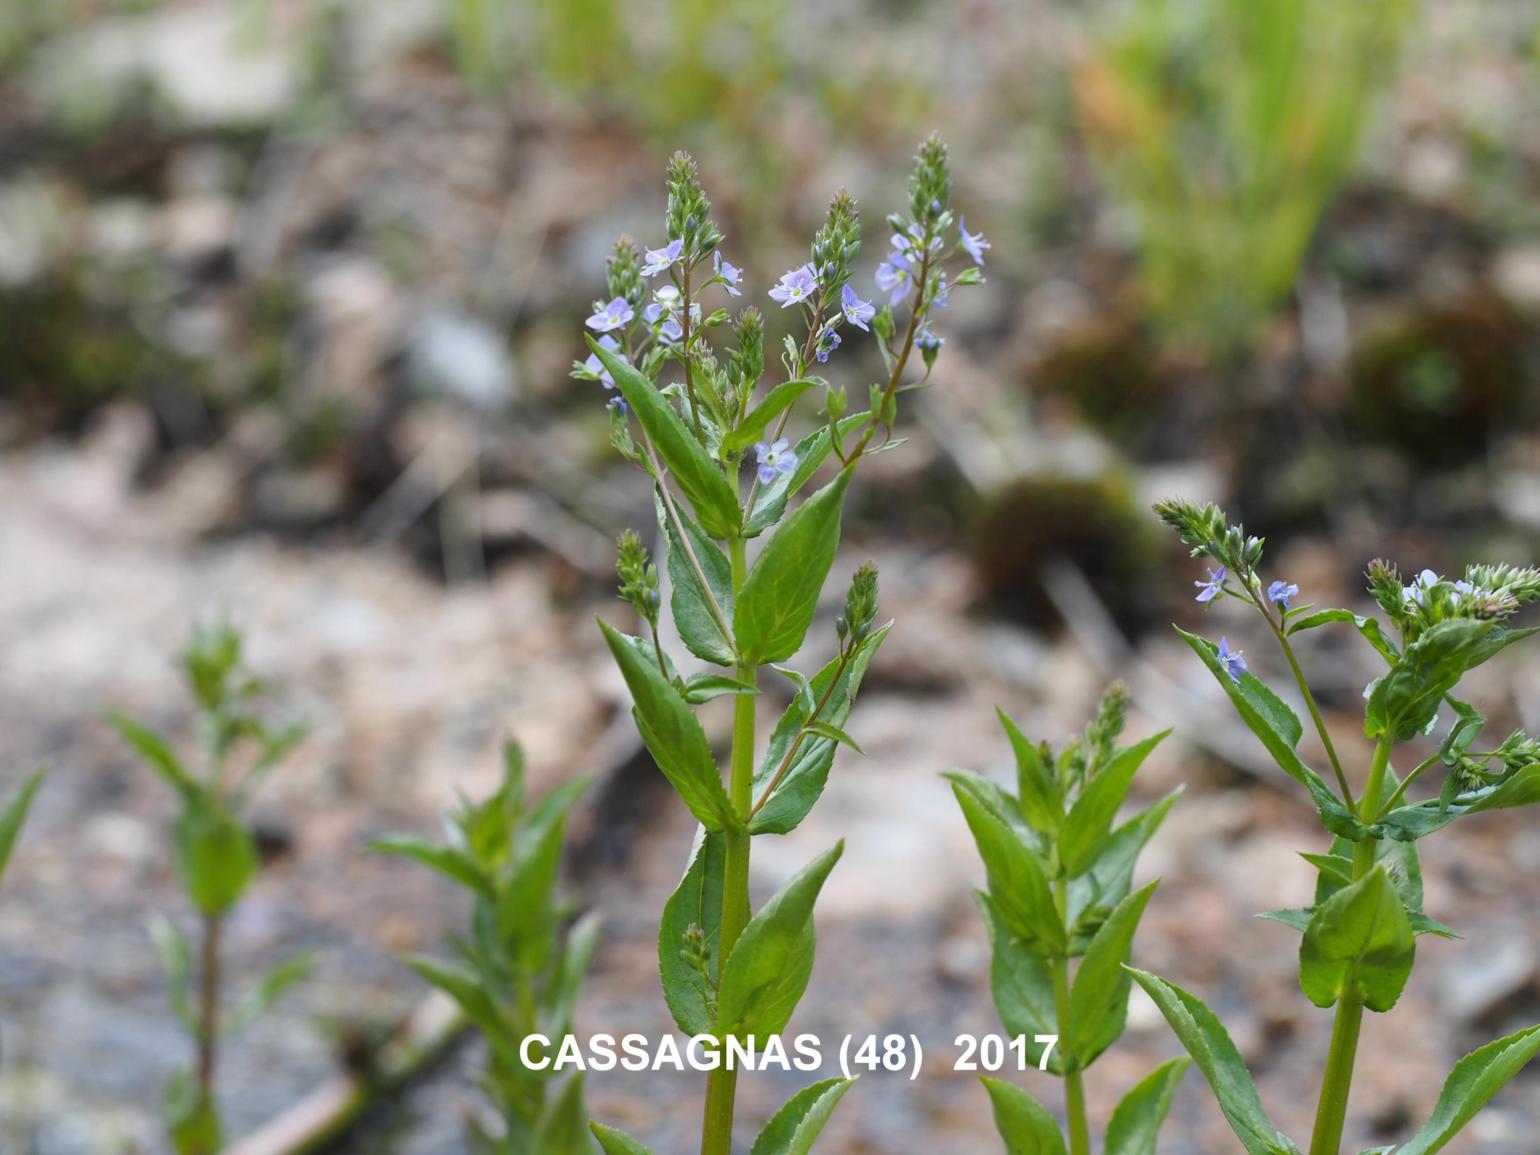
x=1470, y=1086
x=811, y=452
x=778, y=600
x=449, y=861
x=701, y=688
x=157, y=753
x=1036, y=782
x=1085, y=830
x=1368, y=627
x=769, y=966
x=14, y=814
x=1135, y=1124
x=696, y=902
x=808, y=768
x=1022, y=987
x=792, y=1130
x=673, y=736
x=1359, y=943
x=577, y=953
x=463, y=985
x=1098, y=1002
x=698, y=477
x=776, y=402
x=696, y=604
x=563, y=1126
x=1408, y=823
x=1404, y=701
x=1271, y=720
x=280, y=978
x=526, y=914
x=617, y=1142
x=1111, y=875
x=1018, y=884
x=1025, y=1127
x=1210, y=1046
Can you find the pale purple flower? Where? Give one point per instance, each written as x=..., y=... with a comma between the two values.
x=927, y=340
x=1231, y=660
x=596, y=366
x=1420, y=585
x=857, y=311
x=773, y=460
x=1211, y=589
x=730, y=273
x=1280, y=592
x=795, y=286
x=973, y=244
x=943, y=296
x=612, y=316
x=660, y=259
x=828, y=341
x=893, y=277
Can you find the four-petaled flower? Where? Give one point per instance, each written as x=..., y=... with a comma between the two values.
x=773, y=459
x=893, y=276
x=973, y=244
x=1231, y=660
x=612, y=316
x=1419, y=587
x=857, y=311
x=828, y=341
x=1280, y=592
x=795, y=286
x=660, y=259
x=730, y=273
x=596, y=366
x=1211, y=589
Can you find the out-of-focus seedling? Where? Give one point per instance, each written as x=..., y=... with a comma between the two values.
x=13, y=815
x=1060, y=888
x=217, y=859
x=518, y=967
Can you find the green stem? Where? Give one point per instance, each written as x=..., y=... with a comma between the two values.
x=1074, y=1088
x=1337, y=1078
x=208, y=1006
x=1315, y=713
x=722, y=1084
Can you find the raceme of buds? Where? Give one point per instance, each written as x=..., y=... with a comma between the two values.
x=638, y=578
x=747, y=358
x=835, y=246
x=623, y=273
x=930, y=188
x=855, y=623
x=689, y=211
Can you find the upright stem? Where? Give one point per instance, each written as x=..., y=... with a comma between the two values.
x=208, y=1005
x=1337, y=1078
x=1315, y=713
x=1074, y=1088
x=722, y=1084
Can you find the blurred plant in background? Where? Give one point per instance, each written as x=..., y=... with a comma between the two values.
x=1226, y=127
x=520, y=966
x=217, y=859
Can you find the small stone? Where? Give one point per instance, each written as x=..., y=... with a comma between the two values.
x=463, y=358
x=1482, y=983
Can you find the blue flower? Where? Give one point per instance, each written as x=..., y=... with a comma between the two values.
x=1420, y=585
x=773, y=459
x=1231, y=660
x=596, y=366
x=612, y=316
x=828, y=341
x=927, y=340
x=1280, y=592
x=894, y=276
x=857, y=311
x=1211, y=589
x=973, y=244
x=795, y=286
x=730, y=274
x=660, y=259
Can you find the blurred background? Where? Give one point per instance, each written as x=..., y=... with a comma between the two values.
x=289, y=292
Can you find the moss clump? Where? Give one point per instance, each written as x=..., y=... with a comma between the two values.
x=1109, y=372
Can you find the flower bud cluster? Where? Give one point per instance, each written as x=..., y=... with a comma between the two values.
x=855, y=623
x=638, y=578
x=689, y=218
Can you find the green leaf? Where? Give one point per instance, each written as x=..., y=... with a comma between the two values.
x=1111, y=875
x=176, y=961
x=1017, y=882
x=775, y=607
x=1135, y=1123
x=617, y=1142
x=577, y=953
x=272, y=986
x=1368, y=627
x=1025, y=1127
x=1271, y=720
x=1098, y=1002
x=769, y=966
x=1209, y=1044
x=1470, y=1086
x=563, y=1126
x=1408, y=823
x=216, y=855
x=192, y=1118
x=811, y=451
x=1085, y=830
x=672, y=735
x=157, y=752
x=808, y=770
x=792, y=1130
x=710, y=493
x=1022, y=987
x=1359, y=942
x=525, y=910
x=834, y=734
x=702, y=631
x=696, y=901
x=461, y=984
x=447, y=860
x=704, y=687
x=776, y=402
x=1405, y=700
x=1339, y=870
x=14, y=814
x=1041, y=805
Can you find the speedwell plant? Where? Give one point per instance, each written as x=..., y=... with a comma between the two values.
x=715, y=448
x=217, y=860
x=1360, y=933
x=1060, y=888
